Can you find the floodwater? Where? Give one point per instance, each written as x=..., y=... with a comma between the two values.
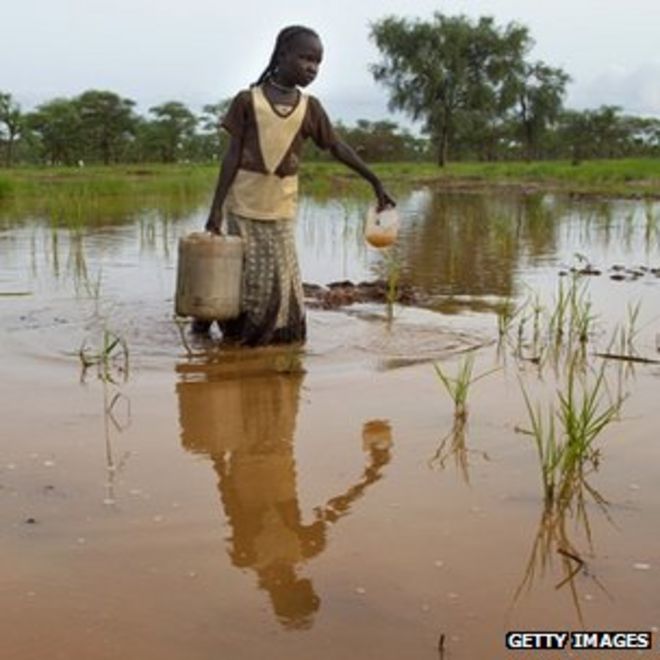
x=202, y=503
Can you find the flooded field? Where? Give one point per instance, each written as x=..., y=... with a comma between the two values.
x=168, y=499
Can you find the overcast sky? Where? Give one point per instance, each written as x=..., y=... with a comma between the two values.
x=201, y=51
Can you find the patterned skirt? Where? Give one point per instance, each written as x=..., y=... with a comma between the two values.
x=272, y=306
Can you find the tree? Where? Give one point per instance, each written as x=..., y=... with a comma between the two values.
x=174, y=125
x=608, y=131
x=213, y=140
x=600, y=133
x=576, y=132
x=448, y=71
x=57, y=124
x=642, y=135
x=540, y=91
x=146, y=147
x=107, y=123
x=12, y=118
x=382, y=141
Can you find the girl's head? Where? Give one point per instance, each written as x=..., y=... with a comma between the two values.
x=296, y=57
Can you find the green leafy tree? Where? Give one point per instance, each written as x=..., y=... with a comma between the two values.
x=540, y=90
x=146, y=147
x=11, y=125
x=575, y=133
x=608, y=131
x=57, y=125
x=212, y=139
x=173, y=127
x=382, y=141
x=482, y=136
x=449, y=71
x=107, y=124
x=599, y=133
x=642, y=135
x=212, y=115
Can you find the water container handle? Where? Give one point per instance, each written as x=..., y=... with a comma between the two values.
x=222, y=228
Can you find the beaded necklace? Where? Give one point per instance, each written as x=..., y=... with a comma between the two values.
x=281, y=88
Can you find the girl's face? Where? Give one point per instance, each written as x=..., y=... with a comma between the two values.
x=300, y=61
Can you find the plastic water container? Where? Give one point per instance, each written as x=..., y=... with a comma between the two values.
x=381, y=229
x=209, y=273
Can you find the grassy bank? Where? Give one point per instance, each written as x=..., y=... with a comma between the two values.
x=633, y=177
x=624, y=178
x=98, y=195
x=616, y=177
x=104, y=181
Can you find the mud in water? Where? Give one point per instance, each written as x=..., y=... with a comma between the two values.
x=179, y=499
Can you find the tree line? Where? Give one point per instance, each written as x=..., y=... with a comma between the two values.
x=477, y=93
x=100, y=126
x=470, y=84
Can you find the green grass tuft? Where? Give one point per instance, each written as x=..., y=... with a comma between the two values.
x=458, y=387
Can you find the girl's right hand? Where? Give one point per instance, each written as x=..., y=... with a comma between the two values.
x=213, y=225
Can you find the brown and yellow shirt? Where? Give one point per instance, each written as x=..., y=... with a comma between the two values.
x=266, y=184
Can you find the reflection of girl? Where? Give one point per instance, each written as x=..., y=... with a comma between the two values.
x=246, y=425
x=258, y=186
x=268, y=534
x=251, y=446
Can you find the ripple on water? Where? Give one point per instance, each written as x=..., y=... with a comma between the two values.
x=53, y=333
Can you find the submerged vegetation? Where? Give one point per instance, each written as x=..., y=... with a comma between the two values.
x=561, y=522
x=567, y=416
x=565, y=439
x=552, y=331
x=561, y=335
x=111, y=358
x=458, y=387
x=568, y=456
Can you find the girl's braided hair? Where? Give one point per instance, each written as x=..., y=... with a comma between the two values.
x=284, y=38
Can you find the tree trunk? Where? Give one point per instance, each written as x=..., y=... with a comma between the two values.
x=575, y=160
x=527, y=129
x=105, y=150
x=442, y=147
x=11, y=139
x=529, y=141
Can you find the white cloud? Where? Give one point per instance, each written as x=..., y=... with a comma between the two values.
x=202, y=50
x=636, y=91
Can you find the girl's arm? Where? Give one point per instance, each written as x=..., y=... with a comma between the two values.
x=343, y=153
x=228, y=171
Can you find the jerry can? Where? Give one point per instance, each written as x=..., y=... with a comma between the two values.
x=209, y=274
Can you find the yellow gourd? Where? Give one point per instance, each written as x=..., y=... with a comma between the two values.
x=381, y=228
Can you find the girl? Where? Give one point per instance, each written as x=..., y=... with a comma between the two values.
x=258, y=185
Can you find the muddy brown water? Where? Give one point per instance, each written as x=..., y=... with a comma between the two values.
x=319, y=502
